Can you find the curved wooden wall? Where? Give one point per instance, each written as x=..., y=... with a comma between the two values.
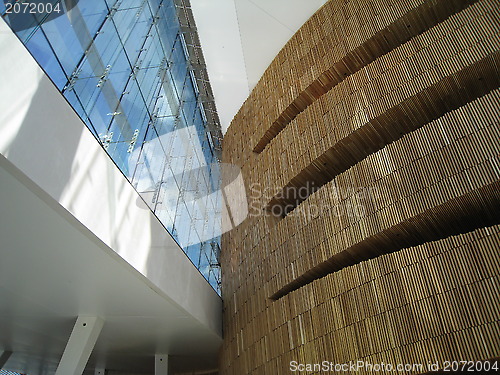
x=370, y=150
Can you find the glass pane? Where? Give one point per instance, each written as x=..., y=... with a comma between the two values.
x=123, y=68
x=41, y=51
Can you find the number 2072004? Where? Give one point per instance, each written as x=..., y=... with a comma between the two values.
x=32, y=8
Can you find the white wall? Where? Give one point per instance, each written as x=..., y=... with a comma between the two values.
x=240, y=38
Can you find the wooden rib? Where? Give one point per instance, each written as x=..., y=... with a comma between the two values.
x=413, y=23
x=477, y=209
x=407, y=116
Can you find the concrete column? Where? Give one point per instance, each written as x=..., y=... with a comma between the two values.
x=4, y=357
x=161, y=364
x=80, y=345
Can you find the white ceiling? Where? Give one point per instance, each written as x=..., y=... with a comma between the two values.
x=53, y=269
x=240, y=38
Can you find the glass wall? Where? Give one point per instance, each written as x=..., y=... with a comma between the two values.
x=124, y=68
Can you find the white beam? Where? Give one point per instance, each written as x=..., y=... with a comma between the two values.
x=4, y=358
x=80, y=345
x=161, y=364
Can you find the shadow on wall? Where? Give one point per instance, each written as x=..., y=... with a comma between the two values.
x=29, y=147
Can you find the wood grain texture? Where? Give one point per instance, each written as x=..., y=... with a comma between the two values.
x=393, y=255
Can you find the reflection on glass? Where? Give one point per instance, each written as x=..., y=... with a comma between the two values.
x=123, y=66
